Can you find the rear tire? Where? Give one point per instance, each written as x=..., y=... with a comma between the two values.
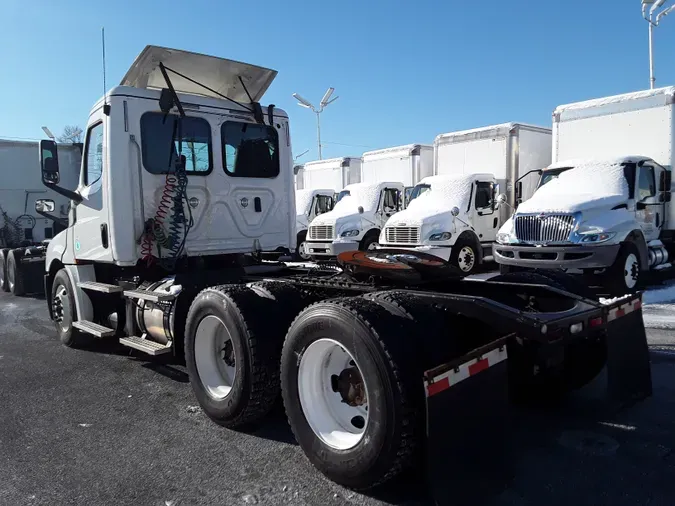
x=15, y=277
x=4, y=286
x=624, y=276
x=368, y=443
x=233, y=339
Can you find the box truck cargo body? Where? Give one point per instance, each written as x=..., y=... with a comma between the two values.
x=334, y=173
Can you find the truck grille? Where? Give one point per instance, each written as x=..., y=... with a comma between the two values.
x=544, y=228
x=402, y=235
x=321, y=232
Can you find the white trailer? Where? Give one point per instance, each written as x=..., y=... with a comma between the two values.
x=513, y=152
x=604, y=204
x=186, y=179
x=333, y=173
x=23, y=225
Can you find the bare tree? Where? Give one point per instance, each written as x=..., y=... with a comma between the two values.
x=71, y=133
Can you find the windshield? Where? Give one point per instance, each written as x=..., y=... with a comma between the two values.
x=419, y=190
x=551, y=174
x=342, y=194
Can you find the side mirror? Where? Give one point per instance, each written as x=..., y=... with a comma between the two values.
x=519, y=190
x=360, y=209
x=665, y=181
x=44, y=206
x=495, y=194
x=49, y=162
x=454, y=211
x=501, y=198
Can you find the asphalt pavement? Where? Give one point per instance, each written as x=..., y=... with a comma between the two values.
x=112, y=427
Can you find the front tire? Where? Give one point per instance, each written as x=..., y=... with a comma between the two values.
x=464, y=256
x=4, y=286
x=300, y=254
x=350, y=393
x=624, y=276
x=15, y=277
x=64, y=311
x=369, y=242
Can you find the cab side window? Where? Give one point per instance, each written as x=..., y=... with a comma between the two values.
x=646, y=183
x=391, y=200
x=93, y=169
x=483, y=196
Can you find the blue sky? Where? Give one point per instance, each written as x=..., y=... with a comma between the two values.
x=405, y=71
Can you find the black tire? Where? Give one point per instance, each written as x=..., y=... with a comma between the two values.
x=370, y=238
x=615, y=278
x=15, y=277
x=256, y=319
x=62, y=290
x=296, y=256
x=464, y=256
x=4, y=286
x=387, y=362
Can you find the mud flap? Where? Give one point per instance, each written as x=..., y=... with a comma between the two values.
x=467, y=408
x=628, y=365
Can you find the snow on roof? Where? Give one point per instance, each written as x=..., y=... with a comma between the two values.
x=219, y=74
x=668, y=91
x=330, y=162
x=590, y=181
x=498, y=130
x=445, y=193
x=406, y=149
x=576, y=162
x=303, y=199
x=366, y=195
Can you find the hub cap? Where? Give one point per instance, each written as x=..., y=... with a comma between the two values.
x=333, y=394
x=631, y=271
x=62, y=310
x=373, y=246
x=302, y=251
x=466, y=259
x=214, y=357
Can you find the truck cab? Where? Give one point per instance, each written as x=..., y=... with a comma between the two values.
x=453, y=217
x=308, y=205
x=355, y=222
x=594, y=215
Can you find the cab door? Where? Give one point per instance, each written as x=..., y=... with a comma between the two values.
x=485, y=218
x=648, y=209
x=91, y=237
x=390, y=204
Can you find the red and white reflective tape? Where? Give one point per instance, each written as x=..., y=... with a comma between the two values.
x=624, y=309
x=464, y=371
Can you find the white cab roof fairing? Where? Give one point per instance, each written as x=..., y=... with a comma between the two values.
x=219, y=74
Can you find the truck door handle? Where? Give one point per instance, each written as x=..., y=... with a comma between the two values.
x=104, y=235
x=256, y=205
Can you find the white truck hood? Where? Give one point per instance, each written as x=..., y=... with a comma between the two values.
x=571, y=203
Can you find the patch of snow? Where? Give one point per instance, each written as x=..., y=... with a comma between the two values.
x=193, y=409
x=592, y=183
x=445, y=193
x=360, y=194
x=663, y=266
x=659, y=296
x=303, y=199
x=616, y=99
x=607, y=302
x=84, y=424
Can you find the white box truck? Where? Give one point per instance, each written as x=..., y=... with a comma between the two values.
x=355, y=222
x=24, y=223
x=458, y=217
x=333, y=173
x=604, y=205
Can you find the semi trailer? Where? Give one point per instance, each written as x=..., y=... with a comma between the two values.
x=604, y=207
x=372, y=361
x=25, y=225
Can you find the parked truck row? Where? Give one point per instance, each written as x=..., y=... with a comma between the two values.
x=373, y=361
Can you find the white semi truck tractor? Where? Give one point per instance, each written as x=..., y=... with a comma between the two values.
x=459, y=217
x=603, y=208
x=362, y=209
x=185, y=177
x=30, y=214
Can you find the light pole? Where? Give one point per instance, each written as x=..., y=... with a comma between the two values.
x=655, y=4
x=295, y=159
x=49, y=133
x=322, y=105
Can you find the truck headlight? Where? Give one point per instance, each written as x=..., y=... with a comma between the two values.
x=505, y=237
x=596, y=237
x=441, y=236
x=350, y=233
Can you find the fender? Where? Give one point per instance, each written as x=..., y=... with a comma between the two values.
x=77, y=273
x=637, y=238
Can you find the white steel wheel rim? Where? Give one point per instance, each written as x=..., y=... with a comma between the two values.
x=630, y=271
x=466, y=258
x=2, y=274
x=331, y=419
x=62, y=310
x=214, y=357
x=10, y=277
x=302, y=251
x=373, y=246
